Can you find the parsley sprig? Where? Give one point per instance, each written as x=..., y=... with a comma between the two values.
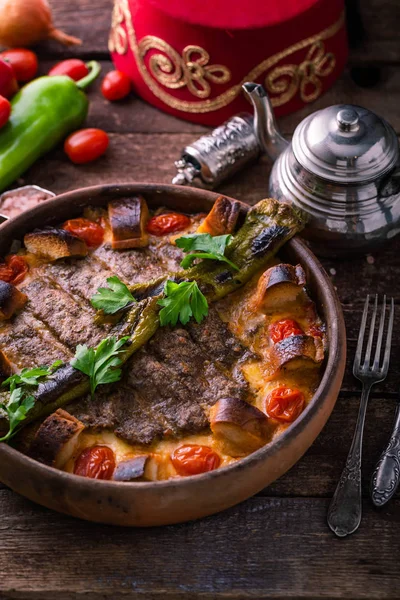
x=113, y=298
x=17, y=409
x=204, y=245
x=21, y=401
x=182, y=301
x=31, y=376
x=100, y=364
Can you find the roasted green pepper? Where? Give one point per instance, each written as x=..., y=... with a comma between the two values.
x=43, y=113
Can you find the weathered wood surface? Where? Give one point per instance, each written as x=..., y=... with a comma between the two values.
x=276, y=545
x=380, y=24
x=264, y=548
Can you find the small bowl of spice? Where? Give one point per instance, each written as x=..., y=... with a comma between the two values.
x=14, y=202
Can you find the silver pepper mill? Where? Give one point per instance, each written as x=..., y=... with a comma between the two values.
x=217, y=156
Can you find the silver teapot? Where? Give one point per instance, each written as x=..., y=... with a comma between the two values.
x=341, y=169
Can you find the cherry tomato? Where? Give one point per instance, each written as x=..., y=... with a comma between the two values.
x=73, y=67
x=97, y=462
x=24, y=63
x=194, y=459
x=115, y=86
x=283, y=329
x=284, y=404
x=90, y=232
x=168, y=223
x=86, y=145
x=5, y=111
x=8, y=82
x=14, y=269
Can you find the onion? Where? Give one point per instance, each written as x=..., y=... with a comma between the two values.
x=26, y=22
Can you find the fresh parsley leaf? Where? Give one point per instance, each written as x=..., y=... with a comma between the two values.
x=182, y=301
x=113, y=298
x=100, y=364
x=31, y=376
x=16, y=408
x=208, y=246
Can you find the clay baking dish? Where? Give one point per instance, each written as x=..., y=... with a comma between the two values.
x=176, y=500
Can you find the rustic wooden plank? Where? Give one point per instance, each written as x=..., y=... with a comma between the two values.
x=133, y=115
x=264, y=548
x=141, y=157
x=380, y=25
x=318, y=472
x=377, y=31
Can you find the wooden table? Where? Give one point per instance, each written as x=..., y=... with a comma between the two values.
x=277, y=544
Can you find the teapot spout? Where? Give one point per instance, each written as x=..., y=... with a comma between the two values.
x=266, y=129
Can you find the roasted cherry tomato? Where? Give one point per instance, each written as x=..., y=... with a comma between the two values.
x=194, y=459
x=316, y=331
x=24, y=63
x=115, y=86
x=97, y=462
x=284, y=404
x=5, y=111
x=283, y=329
x=86, y=145
x=92, y=233
x=168, y=223
x=73, y=67
x=14, y=269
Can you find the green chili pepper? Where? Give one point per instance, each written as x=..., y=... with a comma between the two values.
x=43, y=113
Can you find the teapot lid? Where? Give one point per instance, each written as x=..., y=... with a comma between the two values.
x=345, y=144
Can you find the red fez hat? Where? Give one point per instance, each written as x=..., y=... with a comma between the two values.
x=191, y=58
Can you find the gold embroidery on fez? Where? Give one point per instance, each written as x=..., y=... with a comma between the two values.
x=173, y=71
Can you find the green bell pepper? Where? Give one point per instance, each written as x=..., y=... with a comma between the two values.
x=43, y=113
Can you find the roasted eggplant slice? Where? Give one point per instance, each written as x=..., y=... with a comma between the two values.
x=11, y=300
x=239, y=426
x=56, y=439
x=222, y=218
x=297, y=352
x=131, y=469
x=54, y=244
x=128, y=218
x=278, y=286
x=5, y=367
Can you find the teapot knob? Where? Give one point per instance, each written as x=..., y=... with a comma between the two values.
x=347, y=119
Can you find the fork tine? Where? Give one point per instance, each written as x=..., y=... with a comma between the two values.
x=357, y=358
x=385, y=366
x=380, y=335
x=371, y=334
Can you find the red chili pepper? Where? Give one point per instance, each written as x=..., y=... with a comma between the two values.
x=73, y=67
x=5, y=111
x=8, y=83
x=168, y=223
x=24, y=63
x=86, y=145
x=116, y=85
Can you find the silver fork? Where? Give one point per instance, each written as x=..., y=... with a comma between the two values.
x=344, y=514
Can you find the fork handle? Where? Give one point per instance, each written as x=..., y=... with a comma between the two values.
x=386, y=475
x=344, y=514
